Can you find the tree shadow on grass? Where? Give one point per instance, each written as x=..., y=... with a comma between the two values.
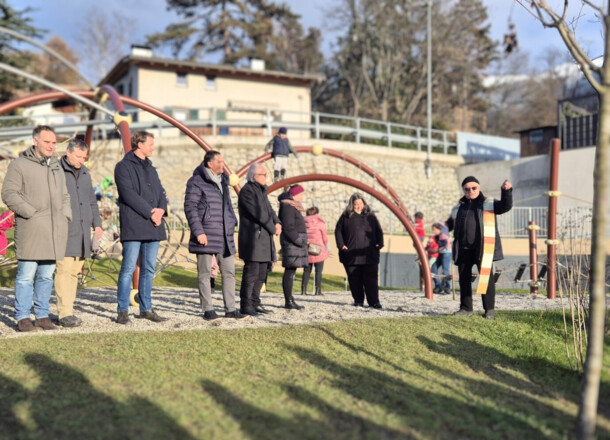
x=260, y=424
x=541, y=376
x=429, y=413
x=66, y=405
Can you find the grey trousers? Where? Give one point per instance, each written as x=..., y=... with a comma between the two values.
x=227, y=270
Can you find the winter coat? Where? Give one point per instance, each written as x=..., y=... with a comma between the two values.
x=209, y=211
x=316, y=234
x=501, y=206
x=139, y=191
x=7, y=221
x=257, y=222
x=85, y=212
x=432, y=247
x=35, y=190
x=363, y=237
x=293, y=238
x=279, y=147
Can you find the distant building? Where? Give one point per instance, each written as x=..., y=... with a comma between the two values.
x=535, y=141
x=199, y=91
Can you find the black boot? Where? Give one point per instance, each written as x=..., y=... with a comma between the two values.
x=318, y=290
x=276, y=176
x=283, y=173
x=291, y=304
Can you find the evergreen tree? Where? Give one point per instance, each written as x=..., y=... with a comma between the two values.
x=239, y=30
x=10, y=52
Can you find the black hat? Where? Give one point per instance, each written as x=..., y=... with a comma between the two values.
x=469, y=179
x=282, y=130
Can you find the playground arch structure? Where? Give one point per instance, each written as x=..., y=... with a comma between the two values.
x=122, y=122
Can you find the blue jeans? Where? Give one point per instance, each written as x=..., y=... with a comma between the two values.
x=34, y=282
x=131, y=252
x=443, y=260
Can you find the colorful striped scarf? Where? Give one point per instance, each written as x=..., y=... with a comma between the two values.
x=489, y=245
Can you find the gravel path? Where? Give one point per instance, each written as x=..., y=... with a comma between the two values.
x=97, y=308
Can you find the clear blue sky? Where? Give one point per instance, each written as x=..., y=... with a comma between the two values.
x=62, y=17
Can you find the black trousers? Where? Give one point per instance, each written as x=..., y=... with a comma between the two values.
x=317, y=279
x=362, y=281
x=467, y=259
x=288, y=281
x=252, y=280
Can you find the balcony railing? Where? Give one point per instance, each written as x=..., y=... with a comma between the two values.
x=220, y=121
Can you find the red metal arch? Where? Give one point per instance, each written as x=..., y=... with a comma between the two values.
x=339, y=155
x=54, y=95
x=419, y=248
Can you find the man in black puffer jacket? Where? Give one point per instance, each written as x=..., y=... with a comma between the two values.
x=207, y=206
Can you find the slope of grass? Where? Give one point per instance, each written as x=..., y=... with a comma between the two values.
x=423, y=378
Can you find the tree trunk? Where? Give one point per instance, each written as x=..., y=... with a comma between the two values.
x=587, y=413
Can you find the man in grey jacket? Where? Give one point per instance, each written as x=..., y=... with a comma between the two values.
x=85, y=215
x=35, y=190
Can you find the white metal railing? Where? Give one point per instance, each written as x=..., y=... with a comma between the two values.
x=320, y=125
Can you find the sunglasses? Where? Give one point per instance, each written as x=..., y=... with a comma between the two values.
x=471, y=188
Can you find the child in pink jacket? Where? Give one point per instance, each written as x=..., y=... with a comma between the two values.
x=316, y=234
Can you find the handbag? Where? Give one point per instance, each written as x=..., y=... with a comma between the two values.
x=314, y=249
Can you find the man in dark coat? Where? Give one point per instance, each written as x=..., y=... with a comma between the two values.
x=142, y=206
x=469, y=233
x=257, y=225
x=85, y=215
x=208, y=210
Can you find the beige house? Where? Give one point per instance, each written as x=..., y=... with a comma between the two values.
x=202, y=95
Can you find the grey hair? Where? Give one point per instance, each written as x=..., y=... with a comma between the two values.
x=77, y=143
x=252, y=171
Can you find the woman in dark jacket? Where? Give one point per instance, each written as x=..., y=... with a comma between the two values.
x=293, y=240
x=359, y=238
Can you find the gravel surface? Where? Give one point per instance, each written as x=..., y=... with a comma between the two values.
x=97, y=308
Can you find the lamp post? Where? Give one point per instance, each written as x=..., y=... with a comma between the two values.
x=429, y=90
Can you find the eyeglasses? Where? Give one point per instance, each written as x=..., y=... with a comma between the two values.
x=260, y=174
x=471, y=188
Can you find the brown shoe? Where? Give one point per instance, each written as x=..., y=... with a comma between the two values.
x=25, y=325
x=45, y=324
x=151, y=315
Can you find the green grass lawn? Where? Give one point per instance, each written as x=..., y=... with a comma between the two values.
x=421, y=378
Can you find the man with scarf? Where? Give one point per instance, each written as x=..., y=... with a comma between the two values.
x=477, y=241
x=207, y=206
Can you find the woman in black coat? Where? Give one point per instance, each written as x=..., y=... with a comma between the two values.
x=293, y=240
x=359, y=238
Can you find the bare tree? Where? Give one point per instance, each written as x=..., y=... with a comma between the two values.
x=104, y=39
x=53, y=69
x=599, y=77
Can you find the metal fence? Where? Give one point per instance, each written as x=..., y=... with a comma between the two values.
x=220, y=121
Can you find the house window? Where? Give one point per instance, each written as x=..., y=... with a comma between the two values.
x=536, y=136
x=181, y=114
x=210, y=83
x=120, y=89
x=181, y=79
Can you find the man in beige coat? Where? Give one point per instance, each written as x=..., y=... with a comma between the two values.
x=35, y=190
